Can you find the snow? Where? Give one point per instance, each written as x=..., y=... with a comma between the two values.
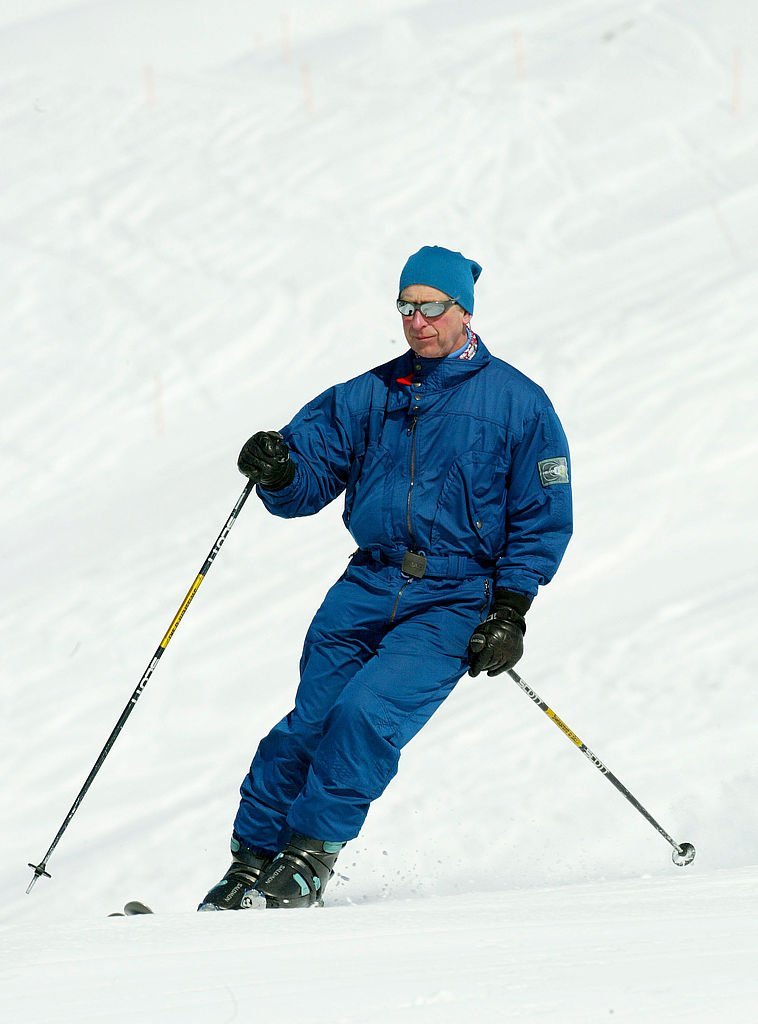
x=650, y=950
x=204, y=211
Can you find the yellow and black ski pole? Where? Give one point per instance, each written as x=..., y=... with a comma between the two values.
x=684, y=853
x=41, y=868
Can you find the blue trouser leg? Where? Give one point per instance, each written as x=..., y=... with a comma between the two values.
x=374, y=717
x=367, y=686
x=343, y=636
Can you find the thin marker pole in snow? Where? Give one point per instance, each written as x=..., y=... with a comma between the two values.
x=286, y=39
x=160, y=419
x=518, y=53
x=305, y=71
x=737, y=80
x=149, y=80
x=684, y=853
x=41, y=868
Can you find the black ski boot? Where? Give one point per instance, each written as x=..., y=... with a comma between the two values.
x=297, y=876
x=236, y=890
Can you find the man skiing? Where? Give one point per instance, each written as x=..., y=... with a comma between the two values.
x=455, y=470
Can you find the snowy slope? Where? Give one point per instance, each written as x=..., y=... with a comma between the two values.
x=642, y=951
x=203, y=212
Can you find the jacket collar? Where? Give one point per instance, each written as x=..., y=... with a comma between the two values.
x=438, y=374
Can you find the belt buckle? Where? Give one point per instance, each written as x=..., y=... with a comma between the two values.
x=413, y=565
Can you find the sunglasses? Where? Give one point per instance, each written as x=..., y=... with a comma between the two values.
x=429, y=310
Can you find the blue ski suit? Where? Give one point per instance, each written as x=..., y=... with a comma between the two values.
x=465, y=461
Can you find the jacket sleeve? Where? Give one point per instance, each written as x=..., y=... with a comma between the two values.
x=320, y=439
x=538, y=511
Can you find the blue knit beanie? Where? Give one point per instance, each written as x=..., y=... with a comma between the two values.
x=450, y=272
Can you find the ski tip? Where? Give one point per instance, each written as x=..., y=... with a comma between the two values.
x=134, y=908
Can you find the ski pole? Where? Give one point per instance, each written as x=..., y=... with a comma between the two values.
x=684, y=853
x=41, y=868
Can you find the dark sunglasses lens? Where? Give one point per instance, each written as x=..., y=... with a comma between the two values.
x=427, y=308
x=432, y=308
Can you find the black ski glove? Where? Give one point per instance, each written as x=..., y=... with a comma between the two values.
x=265, y=459
x=497, y=643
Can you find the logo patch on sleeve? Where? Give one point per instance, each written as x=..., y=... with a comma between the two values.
x=553, y=471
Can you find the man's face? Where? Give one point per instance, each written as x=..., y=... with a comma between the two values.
x=438, y=337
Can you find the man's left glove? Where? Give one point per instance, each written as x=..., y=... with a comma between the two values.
x=265, y=459
x=497, y=643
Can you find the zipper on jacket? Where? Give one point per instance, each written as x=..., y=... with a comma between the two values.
x=412, y=434
x=486, y=606
x=397, y=600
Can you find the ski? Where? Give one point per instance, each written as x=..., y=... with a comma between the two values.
x=135, y=907
x=132, y=909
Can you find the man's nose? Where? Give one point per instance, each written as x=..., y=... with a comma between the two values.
x=417, y=319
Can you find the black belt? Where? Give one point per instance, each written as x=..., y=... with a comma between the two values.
x=417, y=565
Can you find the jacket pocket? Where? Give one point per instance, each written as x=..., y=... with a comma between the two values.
x=470, y=513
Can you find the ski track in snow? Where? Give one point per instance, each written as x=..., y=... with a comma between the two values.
x=203, y=213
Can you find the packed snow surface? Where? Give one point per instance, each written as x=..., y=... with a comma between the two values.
x=204, y=210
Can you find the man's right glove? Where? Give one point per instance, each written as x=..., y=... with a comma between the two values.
x=497, y=643
x=265, y=459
